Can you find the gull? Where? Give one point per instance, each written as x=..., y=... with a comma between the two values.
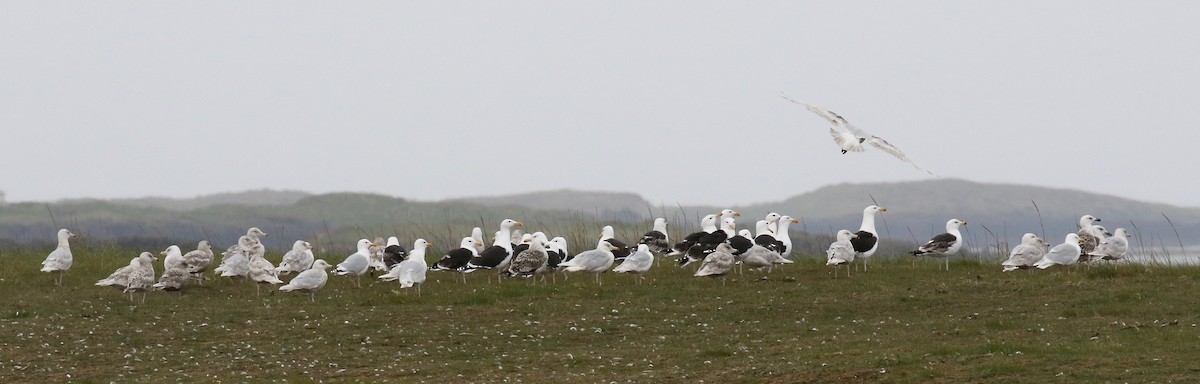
x=842, y=251
x=357, y=263
x=850, y=137
x=59, y=260
x=411, y=271
x=310, y=281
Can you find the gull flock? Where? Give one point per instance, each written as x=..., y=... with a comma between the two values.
x=718, y=249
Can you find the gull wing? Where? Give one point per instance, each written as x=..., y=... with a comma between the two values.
x=885, y=146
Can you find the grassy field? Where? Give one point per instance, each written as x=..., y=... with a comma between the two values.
x=900, y=322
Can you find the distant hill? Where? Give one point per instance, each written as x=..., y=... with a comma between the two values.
x=252, y=197
x=622, y=206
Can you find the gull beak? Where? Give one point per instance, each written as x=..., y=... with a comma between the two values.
x=612, y=248
x=374, y=244
x=770, y=230
x=882, y=209
x=736, y=213
x=795, y=221
x=1097, y=219
x=164, y=253
x=964, y=223
x=853, y=235
x=520, y=224
x=428, y=245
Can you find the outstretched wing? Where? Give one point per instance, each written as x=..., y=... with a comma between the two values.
x=826, y=114
x=885, y=146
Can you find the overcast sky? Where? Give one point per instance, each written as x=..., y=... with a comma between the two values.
x=673, y=100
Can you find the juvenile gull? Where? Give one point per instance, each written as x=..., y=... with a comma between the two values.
x=309, y=281
x=198, y=260
x=296, y=260
x=59, y=260
x=841, y=251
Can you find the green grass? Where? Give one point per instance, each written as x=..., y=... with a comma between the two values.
x=901, y=322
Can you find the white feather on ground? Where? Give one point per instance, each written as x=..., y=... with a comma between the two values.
x=296, y=260
x=411, y=271
x=60, y=259
x=850, y=138
x=310, y=280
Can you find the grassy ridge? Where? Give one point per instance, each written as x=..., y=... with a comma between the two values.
x=903, y=321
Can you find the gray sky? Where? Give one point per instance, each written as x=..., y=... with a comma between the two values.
x=673, y=100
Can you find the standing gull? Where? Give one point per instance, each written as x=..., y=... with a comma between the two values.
x=309, y=281
x=1087, y=234
x=595, y=261
x=530, y=260
x=708, y=225
x=717, y=264
x=623, y=250
x=59, y=260
x=198, y=260
x=841, y=251
x=638, y=263
x=945, y=244
x=850, y=137
x=261, y=269
x=656, y=238
x=500, y=253
x=357, y=264
x=394, y=253
x=866, y=241
x=783, y=236
x=411, y=271
x=456, y=260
